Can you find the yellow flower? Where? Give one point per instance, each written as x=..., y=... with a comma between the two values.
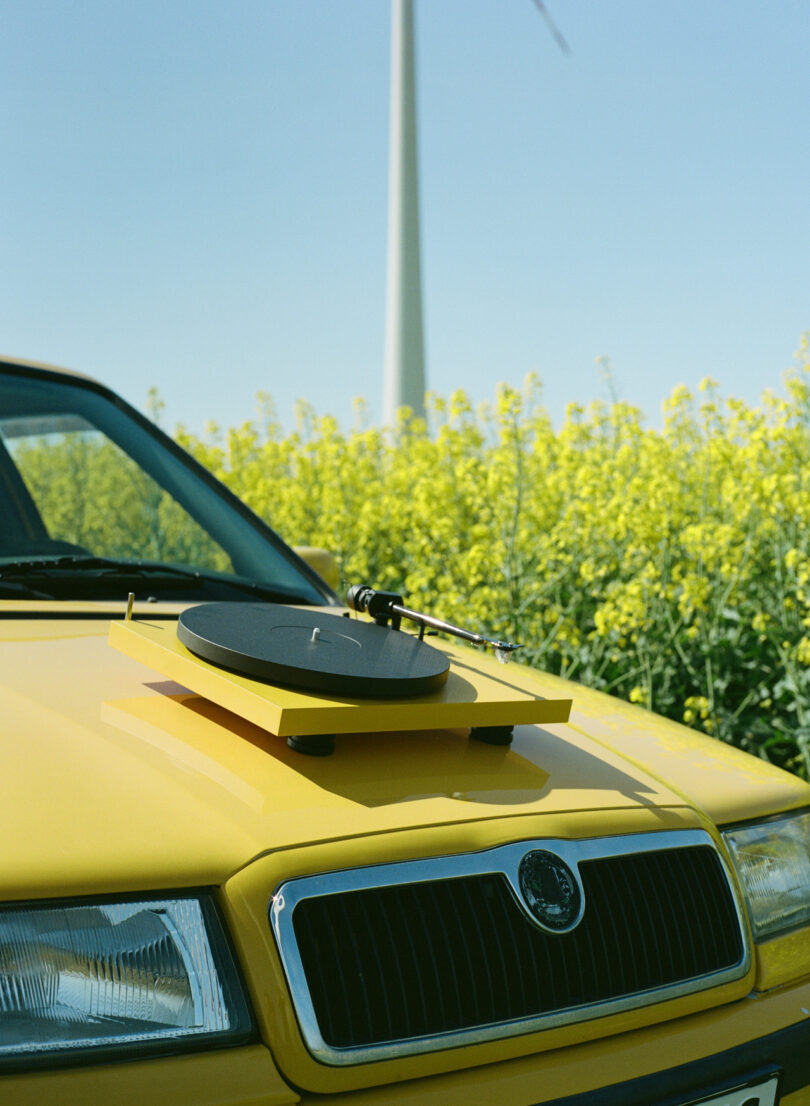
x=607, y=547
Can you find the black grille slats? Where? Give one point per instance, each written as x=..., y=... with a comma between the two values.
x=421, y=959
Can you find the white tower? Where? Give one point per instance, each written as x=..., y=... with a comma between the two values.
x=404, y=342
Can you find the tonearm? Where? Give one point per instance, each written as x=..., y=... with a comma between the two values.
x=387, y=606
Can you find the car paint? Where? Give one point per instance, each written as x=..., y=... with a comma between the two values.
x=117, y=754
x=247, y=1076
x=143, y=785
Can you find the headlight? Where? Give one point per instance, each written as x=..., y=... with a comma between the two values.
x=773, y=862
x=116, y=975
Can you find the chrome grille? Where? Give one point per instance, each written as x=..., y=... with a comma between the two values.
x=379, y=964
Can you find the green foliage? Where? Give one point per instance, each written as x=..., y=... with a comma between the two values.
x=91, y=494
x=671, y=566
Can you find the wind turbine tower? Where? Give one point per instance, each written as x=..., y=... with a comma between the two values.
x=404, y=341
x=404, y=381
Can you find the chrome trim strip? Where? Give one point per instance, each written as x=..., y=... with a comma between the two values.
x=502, y=860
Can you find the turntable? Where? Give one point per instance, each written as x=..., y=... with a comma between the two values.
x=307, y=675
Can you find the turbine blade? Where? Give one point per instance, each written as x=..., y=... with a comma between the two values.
x=558, y=38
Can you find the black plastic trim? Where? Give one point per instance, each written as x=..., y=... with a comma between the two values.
x=786, y=1052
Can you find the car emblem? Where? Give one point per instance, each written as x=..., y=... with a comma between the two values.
x=551, y=891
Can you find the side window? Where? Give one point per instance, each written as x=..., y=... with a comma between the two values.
x=89, y=493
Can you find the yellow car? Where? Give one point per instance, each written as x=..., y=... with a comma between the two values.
x=262, y=849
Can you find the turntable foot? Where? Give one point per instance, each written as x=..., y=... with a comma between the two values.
x=493, y=735
x=314, y=745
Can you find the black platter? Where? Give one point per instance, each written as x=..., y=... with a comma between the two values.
x=318, y=652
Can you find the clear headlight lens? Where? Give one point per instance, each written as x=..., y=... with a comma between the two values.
x=773, y=862
x=109, y=975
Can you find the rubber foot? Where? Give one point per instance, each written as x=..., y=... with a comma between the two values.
x=314, y=745
x=493, y=735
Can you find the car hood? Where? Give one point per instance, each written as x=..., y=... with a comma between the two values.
x=116, y=779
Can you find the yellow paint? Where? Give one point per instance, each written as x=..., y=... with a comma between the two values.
x=93, y=608
x=322, y=562
x=729, y=785
x=555, y=1063
x=479, y=695
x=783, y=959
x=140, y=784
x=246, y=900
x=247, y=1077
x=237, y=1076
x=591, y=1064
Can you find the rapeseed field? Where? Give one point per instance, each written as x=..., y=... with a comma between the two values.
x=669, y=565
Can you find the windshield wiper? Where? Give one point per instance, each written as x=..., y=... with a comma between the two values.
x=108, y=569
x=10, y=589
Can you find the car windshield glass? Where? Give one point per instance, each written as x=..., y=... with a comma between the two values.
x=81, y=480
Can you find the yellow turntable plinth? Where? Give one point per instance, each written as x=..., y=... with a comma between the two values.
x=479, y=692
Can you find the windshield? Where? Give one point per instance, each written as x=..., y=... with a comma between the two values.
x=91, y=493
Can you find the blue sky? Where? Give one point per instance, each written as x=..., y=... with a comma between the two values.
x=194, y=196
